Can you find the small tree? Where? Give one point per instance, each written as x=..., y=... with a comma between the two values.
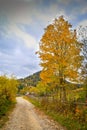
x=83, y=38
x=60, y=55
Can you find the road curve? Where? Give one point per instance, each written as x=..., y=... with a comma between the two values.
x=26, y=117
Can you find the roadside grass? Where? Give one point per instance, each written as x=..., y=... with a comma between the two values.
x=34, y=102
x=5, y=117
x=67, y=120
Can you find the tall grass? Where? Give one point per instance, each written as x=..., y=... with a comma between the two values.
x=71, y=115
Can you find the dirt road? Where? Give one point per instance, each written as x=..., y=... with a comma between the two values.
x=26, y=117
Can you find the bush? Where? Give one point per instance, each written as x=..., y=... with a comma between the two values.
x=4, y=104
x=8, y=89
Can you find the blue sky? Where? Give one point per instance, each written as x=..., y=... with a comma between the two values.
x=22, y=24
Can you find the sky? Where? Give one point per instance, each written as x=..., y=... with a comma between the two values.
x=22, y=24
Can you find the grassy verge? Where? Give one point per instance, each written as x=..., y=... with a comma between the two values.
x=4, y=118
x=65, y=120
x=34, y=102
x=68, y=122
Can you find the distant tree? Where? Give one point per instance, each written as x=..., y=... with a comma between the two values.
x=83, y=37
x=31, y=80
x=59, y=51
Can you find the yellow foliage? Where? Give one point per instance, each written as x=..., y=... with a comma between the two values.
x=59, y=52
x=8, y=87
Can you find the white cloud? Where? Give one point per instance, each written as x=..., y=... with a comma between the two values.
x=29, y=40
x=22, y=60
x=82, y=23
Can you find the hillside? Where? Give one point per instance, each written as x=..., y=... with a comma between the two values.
x=31, y=80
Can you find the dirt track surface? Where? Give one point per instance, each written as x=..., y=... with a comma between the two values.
x=26, y=117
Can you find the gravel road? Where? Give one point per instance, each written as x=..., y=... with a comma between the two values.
x=26, y=117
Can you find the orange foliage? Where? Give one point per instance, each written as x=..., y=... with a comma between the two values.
x=59, y=52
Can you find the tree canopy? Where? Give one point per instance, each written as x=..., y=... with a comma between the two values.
x=59, y=51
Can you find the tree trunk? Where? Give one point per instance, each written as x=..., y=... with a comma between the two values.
x=64, y=94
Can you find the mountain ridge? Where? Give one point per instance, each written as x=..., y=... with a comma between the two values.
x=30, y=80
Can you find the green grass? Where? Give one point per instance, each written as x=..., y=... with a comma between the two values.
x=68, y=120
x=35, y=102
x=4, y=118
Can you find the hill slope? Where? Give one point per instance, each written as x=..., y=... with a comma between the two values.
x=31, y=80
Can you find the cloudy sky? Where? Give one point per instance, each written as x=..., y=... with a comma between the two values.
x=22, y=24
